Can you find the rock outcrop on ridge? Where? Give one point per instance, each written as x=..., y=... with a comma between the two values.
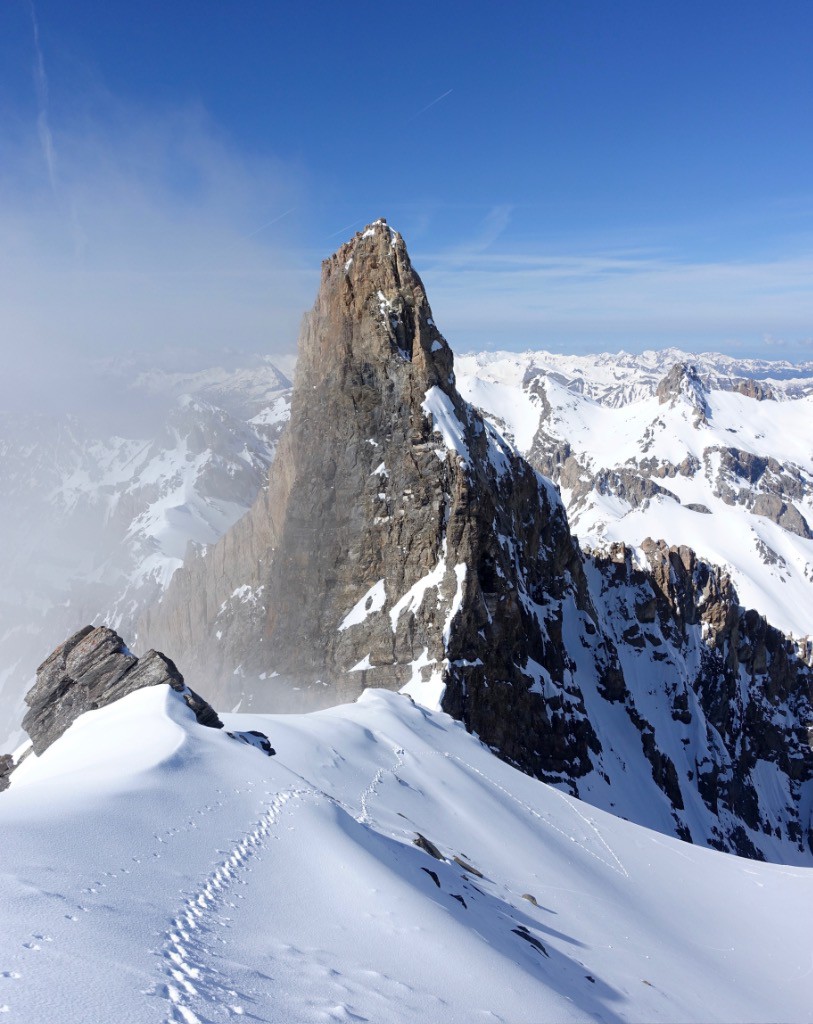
x=401, y=542
x=91, y=669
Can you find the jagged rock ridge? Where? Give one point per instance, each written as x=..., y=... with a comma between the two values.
x=401, y=542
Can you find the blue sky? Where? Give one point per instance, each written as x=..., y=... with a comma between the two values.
x=571, y=174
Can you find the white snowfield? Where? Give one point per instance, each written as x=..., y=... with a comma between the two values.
x=154, y=870
x=605, y=408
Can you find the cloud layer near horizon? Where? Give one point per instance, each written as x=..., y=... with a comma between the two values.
x=607, y=297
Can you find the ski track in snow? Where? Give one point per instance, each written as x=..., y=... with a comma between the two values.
x=617, y=866
x=144, y=860
x=364, y=818
x=195, y=988
x=192, y=988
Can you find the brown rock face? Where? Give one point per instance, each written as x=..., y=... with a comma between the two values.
x=751, y=388
x=353, y=472
x=400, y=542
x=399, y=539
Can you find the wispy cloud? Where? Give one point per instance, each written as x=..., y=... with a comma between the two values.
x=154, y=246
x=270, y=223
x=41, y=87
x=483, y=236
x=347, y=227
x=787, y=344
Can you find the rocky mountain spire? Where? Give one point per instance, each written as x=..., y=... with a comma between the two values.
x=372, y=307
x=401, y=542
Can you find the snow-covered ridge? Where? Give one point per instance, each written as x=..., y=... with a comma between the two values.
x=300, y=888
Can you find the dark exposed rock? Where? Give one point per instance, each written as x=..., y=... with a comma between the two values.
x=467, y=867
x=697, y=506
x=762, y=485
x=745, y=465
x=767, y=554
x=253, y=738
x=781, y=512
x=427, y=846
x=90, y=670
x=756, y=389
x=633, y=483
x=6, y=766
x=523, y=933
x=749, y=676
x=683, y=381
x=645, y=610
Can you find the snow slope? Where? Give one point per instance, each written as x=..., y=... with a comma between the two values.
x=603, y=411
x=156, y=870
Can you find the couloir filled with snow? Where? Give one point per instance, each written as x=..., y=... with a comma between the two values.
x=154, y=870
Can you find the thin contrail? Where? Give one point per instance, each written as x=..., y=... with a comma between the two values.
x=262, y=227
x=41, y=86
x=241, y=238
x=347, y=227
x=428, y=105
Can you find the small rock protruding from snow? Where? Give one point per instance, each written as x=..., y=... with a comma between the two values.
x=427, y=846
x=6, y=767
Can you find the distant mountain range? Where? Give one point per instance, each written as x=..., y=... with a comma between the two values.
x=701, y=450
